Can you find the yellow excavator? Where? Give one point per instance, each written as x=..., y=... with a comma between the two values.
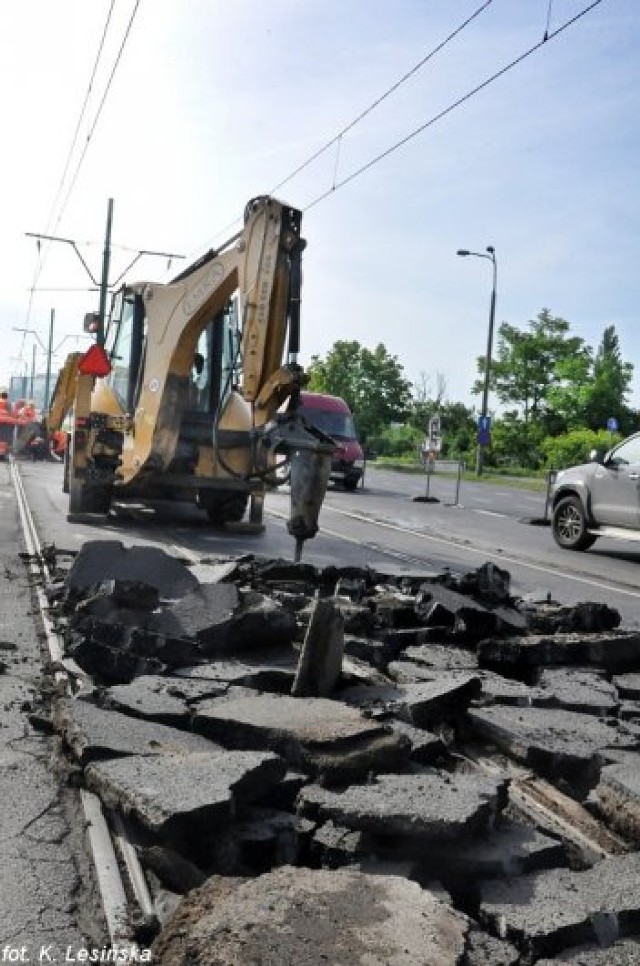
x=189, y=397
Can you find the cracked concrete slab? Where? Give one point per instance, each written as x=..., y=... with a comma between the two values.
x=430, y=806
x=305, y=916
x=314, y=734
x=91, y=733
x=549, y=911
x=173, y=794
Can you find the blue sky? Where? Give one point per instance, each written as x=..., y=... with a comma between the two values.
x=215, y=102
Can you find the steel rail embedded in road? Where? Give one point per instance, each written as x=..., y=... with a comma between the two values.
x=548, y=807
x=109, y=880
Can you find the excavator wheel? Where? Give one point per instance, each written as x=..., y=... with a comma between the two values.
x=224, y=509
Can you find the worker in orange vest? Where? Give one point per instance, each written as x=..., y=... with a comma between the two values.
x=29, y=412
x=58, y=443
x=5, y=405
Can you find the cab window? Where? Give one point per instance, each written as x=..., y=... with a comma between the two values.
x=627, y=453
x=124, y=346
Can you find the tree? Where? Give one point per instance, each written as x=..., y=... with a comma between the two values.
x=372, y=383
x=525, y=369
x=610, y=386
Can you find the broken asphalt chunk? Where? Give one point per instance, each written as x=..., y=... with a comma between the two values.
x=93, y=733
x=317, y=735
x=421, y=703
x=322, y=650
x=305, y=916
x=221, y=619
x=557, y=744
x=547, y=912
x=102, y=560
x=614, y=651
x=174, y=794
x=430, y=805
x=576, y=689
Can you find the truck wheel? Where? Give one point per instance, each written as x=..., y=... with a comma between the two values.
x=351, y=483
x=569, y=525
x=227, y=509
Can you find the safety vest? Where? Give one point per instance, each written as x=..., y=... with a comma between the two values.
x=5, y=406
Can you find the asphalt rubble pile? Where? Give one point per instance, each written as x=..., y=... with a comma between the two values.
x=306, y=758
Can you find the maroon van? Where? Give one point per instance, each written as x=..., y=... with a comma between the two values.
x=332, y=415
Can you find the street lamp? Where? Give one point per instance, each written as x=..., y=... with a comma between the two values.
x=487, y=364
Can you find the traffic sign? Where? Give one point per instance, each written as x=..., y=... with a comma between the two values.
x=484, y=430
x=612, y=424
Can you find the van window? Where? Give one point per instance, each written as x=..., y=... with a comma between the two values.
x=333, y=424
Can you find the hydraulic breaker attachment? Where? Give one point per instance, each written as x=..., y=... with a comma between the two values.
x=309, y=451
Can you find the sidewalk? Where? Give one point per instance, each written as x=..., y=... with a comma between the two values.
x=42, y=895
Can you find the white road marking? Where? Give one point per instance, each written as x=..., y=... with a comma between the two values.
x=491, y=513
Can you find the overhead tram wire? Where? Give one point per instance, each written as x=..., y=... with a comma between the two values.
x=337, y=138
x=80, y=118
x=100, y=108
x=42, y=256
x=448, y=110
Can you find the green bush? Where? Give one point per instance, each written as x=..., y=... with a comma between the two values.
x=396, y=441
x=574, y=447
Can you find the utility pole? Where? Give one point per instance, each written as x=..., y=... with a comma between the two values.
x=484, y=434
x=104, y=286
x=33, y=369
x=104, y=282
x=47, y=379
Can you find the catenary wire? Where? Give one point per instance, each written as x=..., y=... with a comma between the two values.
x=421, y=63
x=80, y=118
x=451, y=107
x=82, y=157
x=338, y=137
x=100, y=108
x=42, y=255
